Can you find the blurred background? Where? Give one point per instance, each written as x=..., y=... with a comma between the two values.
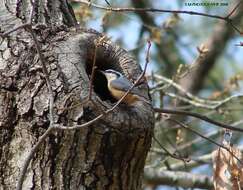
x=196, y=65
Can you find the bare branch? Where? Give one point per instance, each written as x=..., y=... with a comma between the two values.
x=194, y=162
x=173, y=155
x=208, y=139
x=131, y=9
x=182, y=90
x=23, y=26
x=51, y=105
x=216, y=45
x=198, y=140
x=30, y=156
x=233, y=10
x=97, y=43
x=193, y=100
x=182, y=179
x=45, y=71
x=199, y=116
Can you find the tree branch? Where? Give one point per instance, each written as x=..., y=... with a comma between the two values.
x=208, y=139
x=224, y=18
x=182, y=179
x=51, y=107
x=199, y=116
x=194, y=162
x=215, y=44
x=131, y=9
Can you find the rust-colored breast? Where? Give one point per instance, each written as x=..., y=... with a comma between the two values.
x=129, y=99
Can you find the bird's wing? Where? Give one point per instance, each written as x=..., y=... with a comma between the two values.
x=124, y=84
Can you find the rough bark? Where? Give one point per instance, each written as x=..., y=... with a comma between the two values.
x=109, y=154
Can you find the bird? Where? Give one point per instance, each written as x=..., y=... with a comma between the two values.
x=118, y=85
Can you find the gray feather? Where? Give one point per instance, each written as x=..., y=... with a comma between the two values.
x=124, y=84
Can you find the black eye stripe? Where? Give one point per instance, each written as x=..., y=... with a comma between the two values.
x=113, y=72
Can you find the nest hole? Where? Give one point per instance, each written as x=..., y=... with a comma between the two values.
x=99, y=81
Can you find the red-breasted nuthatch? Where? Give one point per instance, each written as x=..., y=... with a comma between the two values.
x=118, y=85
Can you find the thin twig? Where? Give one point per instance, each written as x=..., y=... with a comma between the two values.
x=208, y=139
x=233, y=26
x=183, y=90
x=107, y=2
x=233, y=10
x=195, y=161
x=92, y=72
x=194, y=100
x=198, y=140
x=51, y=105
x=147, y=59
x=209, y=135
x=131, y=9
x=30, y=156
x=46, y=74
x=199, y=116
x=189, y=101
x=22, y=26
x=168, y=152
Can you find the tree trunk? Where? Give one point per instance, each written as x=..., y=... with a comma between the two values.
x=109, y=154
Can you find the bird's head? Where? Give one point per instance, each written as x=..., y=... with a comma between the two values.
x=111, y=74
